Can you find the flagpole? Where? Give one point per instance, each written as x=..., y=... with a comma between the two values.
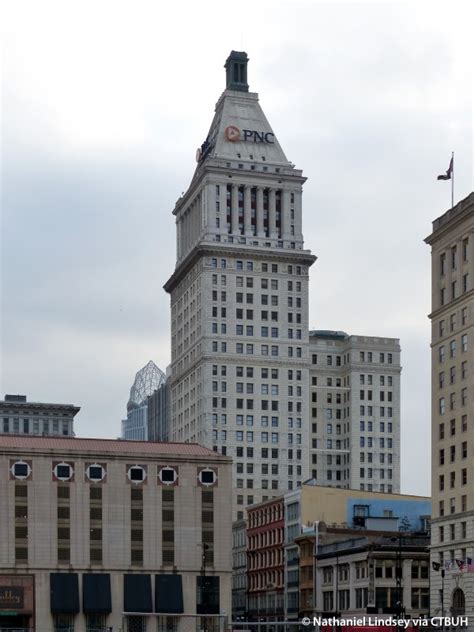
x=452, y=182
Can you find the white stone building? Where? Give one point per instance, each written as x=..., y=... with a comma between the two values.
x=355, y=411
x=239, y=301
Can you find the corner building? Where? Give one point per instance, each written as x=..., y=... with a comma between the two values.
x=99, y=534
x=239, y=301
x=452, y=412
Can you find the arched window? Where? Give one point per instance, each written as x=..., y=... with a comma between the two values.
x=458, y=603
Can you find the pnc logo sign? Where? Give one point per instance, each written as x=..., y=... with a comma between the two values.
x=233, y=134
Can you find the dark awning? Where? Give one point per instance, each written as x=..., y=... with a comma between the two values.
x=96, y=598
x=207, y=595
x=137, y=593
x=64, y=593
x=169, y=594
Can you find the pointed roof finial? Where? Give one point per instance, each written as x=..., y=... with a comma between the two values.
x=236, y=71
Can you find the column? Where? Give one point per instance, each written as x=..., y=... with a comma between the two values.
x=223, y=208
x=247, y=212
x=204, y=207
x=272, y=214
x=260, y=232
x=297, y=222
x=178, y=238
x=184, y=239
x=285, y=214
x=352, y=575
x=235, y=210
x=406, y=584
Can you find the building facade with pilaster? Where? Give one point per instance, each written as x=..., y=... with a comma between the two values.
x=355, y=411
x=239, y=301
x=452, y=412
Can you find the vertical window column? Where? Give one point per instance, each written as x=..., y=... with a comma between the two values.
x=235, y=209
x=207, y=522
x=248, y=229
x=221, y=205
x=95, y=525
x=273, y=233
x=279, y=212
x=260, y=230
x=285, y=214
x=228, y=209
x=64, y=524
x=167, y=527
x=136, y=526
x=297, y=220
x=21, y=523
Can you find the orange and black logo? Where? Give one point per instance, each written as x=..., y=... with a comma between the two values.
x=232, y=133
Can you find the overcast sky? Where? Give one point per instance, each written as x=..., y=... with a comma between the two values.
x=104, y=104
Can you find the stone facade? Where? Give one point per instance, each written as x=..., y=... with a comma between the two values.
x=19, y=416
x=359, y=576
x=452, y=382
x=156, y=513
x=355, y=411
x=239, y=304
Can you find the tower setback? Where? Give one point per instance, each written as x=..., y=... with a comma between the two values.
x=239, y=301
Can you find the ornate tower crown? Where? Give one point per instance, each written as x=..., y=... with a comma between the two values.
x=236, y=71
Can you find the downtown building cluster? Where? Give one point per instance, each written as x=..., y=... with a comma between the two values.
x=247, y=376
x=259, y=420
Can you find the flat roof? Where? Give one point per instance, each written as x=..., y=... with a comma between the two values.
x=7, y=403
x=104, y=446
x=451, y=215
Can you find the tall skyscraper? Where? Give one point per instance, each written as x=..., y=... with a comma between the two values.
x=452, y=415
x=355, y=411
x=239, y=300
x=148, y=380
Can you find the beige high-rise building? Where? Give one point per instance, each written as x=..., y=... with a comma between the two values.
x=452, y=375
x=239, y=301
x=355, y=411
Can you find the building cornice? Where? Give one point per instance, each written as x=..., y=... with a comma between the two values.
x=218, y=249
x=452, y=304
x=451, y=218
x=131, y=457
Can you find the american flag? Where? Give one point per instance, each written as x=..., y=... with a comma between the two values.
x=470, y=565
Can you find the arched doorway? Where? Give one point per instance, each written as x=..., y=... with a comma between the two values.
x=458, y=602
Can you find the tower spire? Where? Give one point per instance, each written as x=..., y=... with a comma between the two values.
x=236, y=71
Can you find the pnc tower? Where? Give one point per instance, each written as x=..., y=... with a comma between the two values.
x=239, y=301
